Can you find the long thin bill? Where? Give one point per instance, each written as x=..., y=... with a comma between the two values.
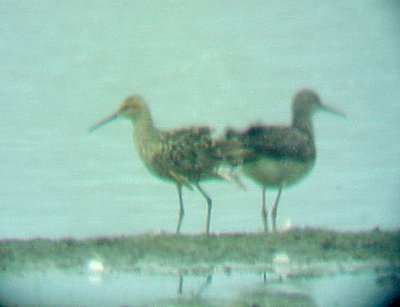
x=104, y=121
x=333, y=111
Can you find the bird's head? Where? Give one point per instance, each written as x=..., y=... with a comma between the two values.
x=307, y=102
x=131, y=107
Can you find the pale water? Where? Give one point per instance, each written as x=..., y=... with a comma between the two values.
x=361, y=290
x=66, y=64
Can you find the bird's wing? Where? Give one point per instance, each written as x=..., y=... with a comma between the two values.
x=278, y=142
x=188, y=152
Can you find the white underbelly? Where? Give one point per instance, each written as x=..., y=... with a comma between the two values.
x=274, y=172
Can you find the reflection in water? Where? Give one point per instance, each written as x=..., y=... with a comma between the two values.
x=147, y=270
x=180, y=284
x=200, y=289
x=234, y=289
x=232, y=63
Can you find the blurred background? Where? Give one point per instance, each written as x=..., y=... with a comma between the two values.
x=65, y=65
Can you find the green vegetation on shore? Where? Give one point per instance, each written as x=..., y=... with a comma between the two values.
x=164, y=250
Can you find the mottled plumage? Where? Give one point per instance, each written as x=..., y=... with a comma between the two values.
x=278, y=156
x=189, y=154
x=185, y=156
x=278, y=142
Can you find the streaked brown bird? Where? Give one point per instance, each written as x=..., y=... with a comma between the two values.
x=184, y=156
x=279, y=156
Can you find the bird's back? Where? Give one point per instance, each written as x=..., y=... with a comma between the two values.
x=275, y=156
x=275, y=142
x=190, y=154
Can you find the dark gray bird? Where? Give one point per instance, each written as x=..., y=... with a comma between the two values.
x=279, y=156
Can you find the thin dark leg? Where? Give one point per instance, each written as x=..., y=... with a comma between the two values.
x=264, y=212
x=209, y=207
x=275, y=209
x=181, y=212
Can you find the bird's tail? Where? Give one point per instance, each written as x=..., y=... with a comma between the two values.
x=231, y=134
x=231, y=151
x=232, y=154
x=230, y=174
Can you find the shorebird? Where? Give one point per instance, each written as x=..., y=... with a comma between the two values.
x=279, y=156
x=184, y=156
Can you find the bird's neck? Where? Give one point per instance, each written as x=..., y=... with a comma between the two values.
x=302, y=120
x=143, y=127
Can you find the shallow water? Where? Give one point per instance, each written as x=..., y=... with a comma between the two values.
x=127, y=289
x=66, y=65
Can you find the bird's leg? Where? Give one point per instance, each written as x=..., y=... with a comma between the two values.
x=264, y=212
x=209, y=207
x=275, y=209
x=181, y=212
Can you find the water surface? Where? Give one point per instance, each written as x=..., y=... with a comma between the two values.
x=65, y=65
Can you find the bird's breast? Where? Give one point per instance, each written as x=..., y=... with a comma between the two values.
x=271, y=172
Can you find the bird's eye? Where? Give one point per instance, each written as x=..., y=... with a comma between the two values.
x=124, y=109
